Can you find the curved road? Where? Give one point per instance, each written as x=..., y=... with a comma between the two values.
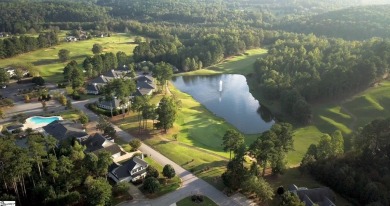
x=190, y=183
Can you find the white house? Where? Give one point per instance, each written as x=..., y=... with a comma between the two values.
x=97, y=143
x=130, y=170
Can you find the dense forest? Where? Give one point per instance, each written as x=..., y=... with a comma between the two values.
x=363, y=173
x=23, y=17
x=301, y=68
x=356, y=23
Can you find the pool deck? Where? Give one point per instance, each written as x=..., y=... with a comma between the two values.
x=30, y=124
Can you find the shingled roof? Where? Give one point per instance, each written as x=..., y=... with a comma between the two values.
x=61, y=130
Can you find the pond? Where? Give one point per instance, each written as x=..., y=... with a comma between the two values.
x=228, y=96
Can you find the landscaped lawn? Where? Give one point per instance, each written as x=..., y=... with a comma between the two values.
x=168, y=185
x=188, y=202
x=46, y=60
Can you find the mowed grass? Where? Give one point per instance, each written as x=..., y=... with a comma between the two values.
x=170, y=184
x=188, y=202
x=46, y=60
x=239, y=64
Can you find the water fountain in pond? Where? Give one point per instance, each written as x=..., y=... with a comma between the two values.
x=220, y=90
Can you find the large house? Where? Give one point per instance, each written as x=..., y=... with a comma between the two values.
x=94, y=86
x=63, y=129
x=97, y=143
x=130, y=170
x=112, y=104
x=322, y=196
x=145, y=85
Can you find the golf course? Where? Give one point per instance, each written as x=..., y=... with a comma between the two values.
x=195, y=140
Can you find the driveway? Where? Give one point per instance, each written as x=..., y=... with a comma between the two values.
x=190, y=183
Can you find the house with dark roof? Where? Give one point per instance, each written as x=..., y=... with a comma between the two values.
x=94, y=86
x=92, y=89
x=145, y=85
x=97, y=143
x=322, y=196
x=63, y=129
x=130, y=170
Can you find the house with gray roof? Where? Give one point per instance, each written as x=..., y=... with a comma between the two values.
x=98, y=143
x=63, y=129
x=112, y=104
x=94, y=86
x=322, y=196
x=145, y=85
x=130, y=170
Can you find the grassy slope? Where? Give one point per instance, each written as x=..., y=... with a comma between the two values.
x=46, y=60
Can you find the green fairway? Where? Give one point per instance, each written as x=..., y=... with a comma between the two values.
x=241, y=64
x=47, y=63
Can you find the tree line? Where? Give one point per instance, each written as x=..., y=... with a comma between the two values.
x=361, y=174
x=13, y=46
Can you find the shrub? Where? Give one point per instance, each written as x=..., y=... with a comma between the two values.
x=135, y=144
x=168, y=171
x=121, y=188
x=38, y=81
x=151, y=185
x=151, y=172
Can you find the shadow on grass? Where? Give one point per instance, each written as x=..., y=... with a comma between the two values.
x=45, y=62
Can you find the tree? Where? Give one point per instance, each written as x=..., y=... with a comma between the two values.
x=76, y=79
x=97, y=49
x=166, y=112
x=324, y=147
x=4, y=77
x=338, y=142
x=151, y=185
x=69, y=104
x=168, y=171
x=138, y=39
x=121, y=188
x=19, y=73
x=290, y=199
x=62, y=100
x=83, y=118
x=37, y=151
x=263, y=149
x=104, y=161
x=163, y=72
x=232, y=141
x=135, y=144
x=64, y=55
x=1, y=113
x=151, y=172
x=98, y=191
x=259, y=187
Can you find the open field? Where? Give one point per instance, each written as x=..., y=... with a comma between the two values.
x=47, y=63
x=188, y=202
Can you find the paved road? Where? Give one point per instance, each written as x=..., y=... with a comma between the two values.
x=190, y=183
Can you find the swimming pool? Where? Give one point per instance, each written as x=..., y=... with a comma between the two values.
x=43, y=120
x=38, y=121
